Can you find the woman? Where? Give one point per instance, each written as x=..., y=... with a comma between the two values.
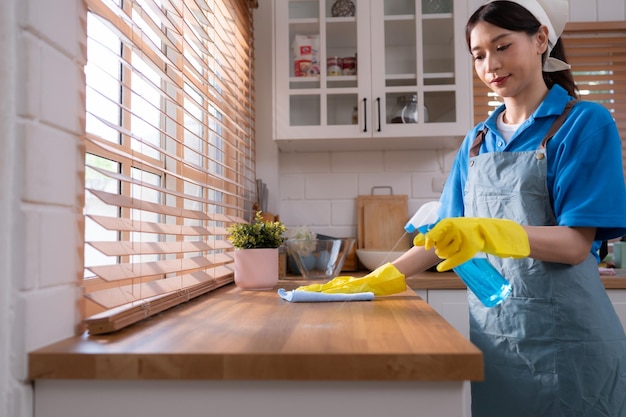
x=537, y=200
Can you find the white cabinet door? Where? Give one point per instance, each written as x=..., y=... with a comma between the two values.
x=313, y=100
x=418, y=53
x=408, y=55
x=452, y=305
x=618, y=297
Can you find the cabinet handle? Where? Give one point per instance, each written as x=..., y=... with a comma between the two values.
x=364, y=114
x=378, y=104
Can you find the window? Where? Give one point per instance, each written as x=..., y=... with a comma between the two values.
x=170, y=152
x=597, y=53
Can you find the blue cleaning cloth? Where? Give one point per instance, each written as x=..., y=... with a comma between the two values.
x=295, y=296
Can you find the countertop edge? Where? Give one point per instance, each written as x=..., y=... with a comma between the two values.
x=256, y=367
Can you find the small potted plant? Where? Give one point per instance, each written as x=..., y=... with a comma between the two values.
x=256, y=252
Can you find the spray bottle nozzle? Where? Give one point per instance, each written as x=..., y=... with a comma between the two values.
x=424, y=218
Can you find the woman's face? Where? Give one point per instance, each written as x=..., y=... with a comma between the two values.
x=507, y=62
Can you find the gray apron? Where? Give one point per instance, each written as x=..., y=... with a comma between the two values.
x=555, y=347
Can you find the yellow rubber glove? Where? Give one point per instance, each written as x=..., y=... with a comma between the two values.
x=384, y=280
x=458, y=239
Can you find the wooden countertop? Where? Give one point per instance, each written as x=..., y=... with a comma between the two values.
x=231, y=334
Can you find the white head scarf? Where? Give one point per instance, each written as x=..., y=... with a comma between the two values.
x=553, y=14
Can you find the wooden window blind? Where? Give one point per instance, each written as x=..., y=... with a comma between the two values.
x=597, y=53
x=170, y=156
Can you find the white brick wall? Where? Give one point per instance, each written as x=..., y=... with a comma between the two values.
x=311, y=183
x=319, y=189
x=41, y=119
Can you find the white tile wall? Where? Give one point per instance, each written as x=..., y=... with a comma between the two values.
x=41, y=117
x=319, y=189
x=51, y=176
x=48, y=169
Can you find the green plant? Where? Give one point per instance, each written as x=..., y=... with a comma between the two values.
x=258, y=234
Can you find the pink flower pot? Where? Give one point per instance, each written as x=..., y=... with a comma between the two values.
x=256, y=269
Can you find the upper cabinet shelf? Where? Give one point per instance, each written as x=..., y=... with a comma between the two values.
x=396, y=74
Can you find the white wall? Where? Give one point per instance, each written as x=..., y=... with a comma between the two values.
x=41, y=120
x=320, y=189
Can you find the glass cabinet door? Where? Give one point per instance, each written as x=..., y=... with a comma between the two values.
x=438, y=60
x=415, y=72
x=321, y=69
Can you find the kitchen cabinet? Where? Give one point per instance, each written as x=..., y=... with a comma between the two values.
x=452, y=305
x=407, y=53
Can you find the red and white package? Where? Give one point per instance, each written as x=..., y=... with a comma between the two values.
x=306, y=55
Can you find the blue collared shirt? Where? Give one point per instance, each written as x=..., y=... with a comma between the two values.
x=584, y=173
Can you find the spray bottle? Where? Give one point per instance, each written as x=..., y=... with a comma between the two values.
x=478, y=274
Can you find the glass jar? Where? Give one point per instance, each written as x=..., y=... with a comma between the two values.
x=405, y=110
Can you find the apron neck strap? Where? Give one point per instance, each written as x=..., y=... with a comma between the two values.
x=478, y=140
x=556, y=125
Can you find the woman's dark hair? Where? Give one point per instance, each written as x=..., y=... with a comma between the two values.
x=511, y=16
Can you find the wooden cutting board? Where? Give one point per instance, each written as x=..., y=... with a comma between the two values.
x=381, y=220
